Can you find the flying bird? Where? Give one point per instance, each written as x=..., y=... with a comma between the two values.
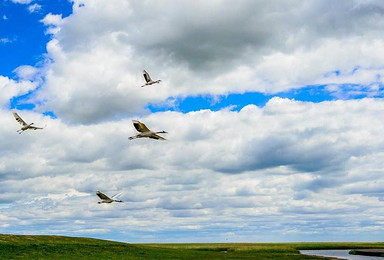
x=25, y=126
x=148, y=80
x=105, y=199
x=145, y=132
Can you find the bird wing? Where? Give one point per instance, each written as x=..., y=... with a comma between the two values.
x=102, y=196
x=18, y=119
x=35, y=127
x=140, y=126
x=146, y=76
x=116, y=195
x=157, y=137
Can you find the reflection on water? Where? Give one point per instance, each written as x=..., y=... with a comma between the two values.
x=342, y=254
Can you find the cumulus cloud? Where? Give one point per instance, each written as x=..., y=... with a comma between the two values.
x=98, y=52
x=290, y=165
x=26, y=72
x=10, y=88
x=52, y=21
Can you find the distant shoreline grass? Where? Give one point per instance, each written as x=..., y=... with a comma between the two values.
x=60, y=247
x=368, y=252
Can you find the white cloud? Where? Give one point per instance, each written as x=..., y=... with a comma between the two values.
x=53, y=21
x=26, y=72
x=5, y=40
x=10, y=88
x=34, y=8
x=22, y=1
x=102, y=48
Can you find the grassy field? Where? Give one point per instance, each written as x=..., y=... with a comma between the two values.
x=57, y=247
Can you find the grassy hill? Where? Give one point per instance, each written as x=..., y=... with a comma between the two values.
x=58, y=247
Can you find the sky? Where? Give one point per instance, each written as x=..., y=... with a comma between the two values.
x=273, y=111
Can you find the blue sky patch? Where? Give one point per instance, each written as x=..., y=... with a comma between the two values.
x=22, y=35
x=238, y=101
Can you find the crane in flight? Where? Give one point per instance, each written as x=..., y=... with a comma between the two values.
x=145, y=132
x=105, y=199
x=148, y=80
x=25, y=126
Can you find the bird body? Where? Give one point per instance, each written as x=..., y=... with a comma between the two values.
x=25, y=126
x=148, y=80
x=145, y=132
x=105, y=199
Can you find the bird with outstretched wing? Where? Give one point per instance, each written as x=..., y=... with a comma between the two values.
x=105, y=199
x=148, y=80
x=24, y=125
x=145, y=132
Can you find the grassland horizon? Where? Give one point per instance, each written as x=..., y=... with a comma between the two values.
x=63, y=247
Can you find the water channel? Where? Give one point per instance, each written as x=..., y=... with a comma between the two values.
x=342, y=254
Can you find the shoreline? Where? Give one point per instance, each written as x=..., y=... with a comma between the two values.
x=368, y=252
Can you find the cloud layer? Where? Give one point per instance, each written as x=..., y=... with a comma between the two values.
x=299, y=168
x=99, y=51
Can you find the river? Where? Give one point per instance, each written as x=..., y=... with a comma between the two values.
x=342, y=254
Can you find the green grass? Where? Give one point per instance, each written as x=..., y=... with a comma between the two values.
x=57, y=247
